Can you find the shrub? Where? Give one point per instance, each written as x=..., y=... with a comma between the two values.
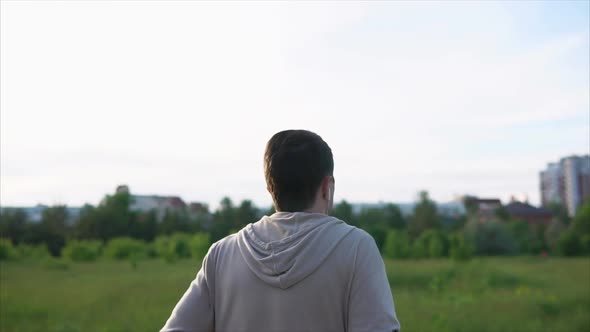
x=162, y=248
x=419, y=248
x=82, y=251
x=576, y=239
x=33, y=251
x=585, y=244
x=553, y=232
x=438, y=244
x=491, y=238
x=124, y=248
x=176, y=246
x=200, y=245
x=522, y=235
x=7, y=250
x=459, y=248
x=151, y=251
x=397, y=245
x=180, y=245
x=538, y=244
x=430, y=243
x=581, y=222
x=569, y=243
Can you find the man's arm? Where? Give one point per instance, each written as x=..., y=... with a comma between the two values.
x=370, y=307
x=194, y=312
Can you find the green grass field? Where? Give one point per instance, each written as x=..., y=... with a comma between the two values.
x=486, y=294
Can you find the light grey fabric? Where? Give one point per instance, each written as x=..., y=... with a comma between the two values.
x=289, y=272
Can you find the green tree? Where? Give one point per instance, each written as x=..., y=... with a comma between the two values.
x=13, y=225
x=425, y=216
x=343, y=211
x=393, y=217
x=569, y=243
x=372, y=217
x=146, y=226
x=553, y=232
x=521, y=233
x=86, y=227
x=576, y=239
x=200, y=221
x=581, y=222
x=247, y=213
x=502, y=214
x=173, y=222
x=53, y=230
x=457, y=223
x=560, y=212
x=373, y=221
x=113, y=218
x=223, y=220
x=538, y=243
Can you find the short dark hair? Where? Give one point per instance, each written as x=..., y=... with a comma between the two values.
x=295, y=162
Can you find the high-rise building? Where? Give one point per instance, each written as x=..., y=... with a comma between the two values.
x=551, y=187
x=566, y=182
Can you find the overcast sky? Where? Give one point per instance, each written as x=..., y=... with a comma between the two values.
x=179, y=98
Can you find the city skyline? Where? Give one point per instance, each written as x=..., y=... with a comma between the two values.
x=452, y=98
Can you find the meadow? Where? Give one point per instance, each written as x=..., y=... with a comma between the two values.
x=484, y=294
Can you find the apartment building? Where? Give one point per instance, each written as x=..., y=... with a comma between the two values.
x=566, y=182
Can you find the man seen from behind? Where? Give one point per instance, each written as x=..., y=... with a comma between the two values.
x=296, y=270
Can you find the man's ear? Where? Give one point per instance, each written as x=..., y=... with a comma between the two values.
x=326, y=194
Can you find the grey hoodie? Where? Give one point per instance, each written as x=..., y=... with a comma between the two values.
x=291, y=272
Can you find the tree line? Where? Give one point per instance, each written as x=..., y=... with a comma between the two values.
x=429, y=233
x=425, y=233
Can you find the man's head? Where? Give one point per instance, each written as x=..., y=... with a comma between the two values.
x=298, y=166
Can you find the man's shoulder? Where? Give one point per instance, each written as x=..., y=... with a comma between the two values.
x=229, y=240
x=356, y=235
x=361, y=235
x=355, y=232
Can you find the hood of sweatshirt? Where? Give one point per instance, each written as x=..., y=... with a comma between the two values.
x=286, y=247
